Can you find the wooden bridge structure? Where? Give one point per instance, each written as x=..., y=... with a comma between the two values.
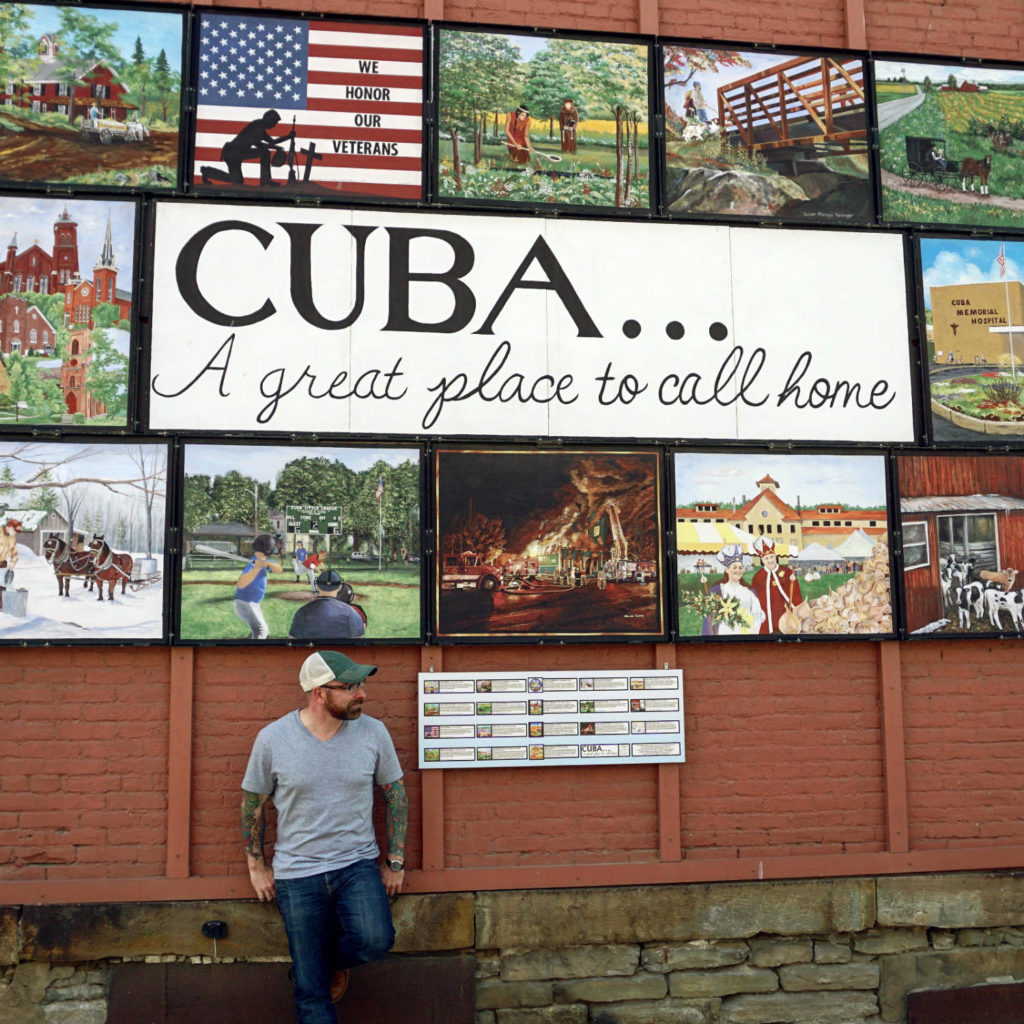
x=815, y=102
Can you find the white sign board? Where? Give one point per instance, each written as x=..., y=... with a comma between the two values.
x=375, y=322
x=486, y=720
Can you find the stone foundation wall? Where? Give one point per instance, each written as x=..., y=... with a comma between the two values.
x=821, y=952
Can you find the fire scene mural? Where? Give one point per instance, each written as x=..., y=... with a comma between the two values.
x=66, y=280
x=538, y=544
x=781, y=545
x=90, y=96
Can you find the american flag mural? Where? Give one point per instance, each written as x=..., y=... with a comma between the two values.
x=307, y=107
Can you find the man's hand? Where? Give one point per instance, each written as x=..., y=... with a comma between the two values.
x=261, y=875
x=392, y=880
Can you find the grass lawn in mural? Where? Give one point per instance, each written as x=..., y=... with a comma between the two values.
x=548, y=544
x=781, y=544
x=753, y=134
x=81, y=541
x=354, y=510
x=91, y=96
x=951, y=143
x=539, y=120
x=974, y=318
x=962, y=521
x=65, y=329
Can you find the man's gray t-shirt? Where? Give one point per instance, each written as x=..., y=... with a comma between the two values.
x=323, y=791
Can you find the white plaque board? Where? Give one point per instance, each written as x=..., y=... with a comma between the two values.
x=484, y=719
x=274, y=318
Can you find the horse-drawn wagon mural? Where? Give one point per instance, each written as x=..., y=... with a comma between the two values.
x=781, y=545
x=765, y=134
x=90, y=96
x=962, y=523
x=951, y=143
x=974, y=327
x=81, y=541
x=535, y=119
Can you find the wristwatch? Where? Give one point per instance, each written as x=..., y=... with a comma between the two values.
x=394, y=863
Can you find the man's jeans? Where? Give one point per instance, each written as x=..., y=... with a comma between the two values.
x=334, y=920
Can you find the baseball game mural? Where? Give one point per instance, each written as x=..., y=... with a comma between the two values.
x=90, y=96
x=781, y=545
x=974, y=321
x=310, y=544
x=535, y=119
x=766, y=134
x=951, y=143
x=962, y=519
x=543, y=543
x=81, y=541
x=66, y=294
x=309, y=107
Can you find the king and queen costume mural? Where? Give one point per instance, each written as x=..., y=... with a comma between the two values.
x=499, y=331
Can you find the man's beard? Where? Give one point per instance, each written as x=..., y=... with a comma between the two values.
x=348, y=714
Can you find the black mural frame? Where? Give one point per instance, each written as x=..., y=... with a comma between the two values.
x=778, y=450
x=255, y=442
x=505, y=206
x=257, y=193
x=720, y=217
x=94, y=440
x=185, y=14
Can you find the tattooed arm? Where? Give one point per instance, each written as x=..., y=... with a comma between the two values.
x=254, y=825
x=396, y=817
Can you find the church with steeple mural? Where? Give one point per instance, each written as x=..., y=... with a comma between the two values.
x=65, y=329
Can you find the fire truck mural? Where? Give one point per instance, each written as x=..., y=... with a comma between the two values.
x=548, y=543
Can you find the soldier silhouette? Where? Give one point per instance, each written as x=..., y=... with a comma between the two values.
x=253, y=142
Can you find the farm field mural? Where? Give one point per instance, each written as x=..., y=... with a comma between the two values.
x=82, y=541
x=281, y=517
x=781, y=544
x=548, y=544
x=951, y=143
x=66, y=297
x=529, y=119
x=962, y=520
x=90, y=96
x=974, y=317
x=759, y=134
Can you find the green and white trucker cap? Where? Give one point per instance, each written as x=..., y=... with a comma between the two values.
x=325, y=666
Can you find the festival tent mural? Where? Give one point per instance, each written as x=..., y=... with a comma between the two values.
x=548, y=544
x=309, y=108
x=66, y=310
x=260, y=536
x=962, y=519
x=90, y=96
x=535, y=119
x=825, y=512
x=974, y=324
x=766, y=134
x=951, y=143
x=82, y=541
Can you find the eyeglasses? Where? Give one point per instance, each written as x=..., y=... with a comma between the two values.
x=350, y=687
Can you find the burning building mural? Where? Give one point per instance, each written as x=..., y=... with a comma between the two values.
x=537, y=543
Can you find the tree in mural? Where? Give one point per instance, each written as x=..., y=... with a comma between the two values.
x=239, y=498
x=480, y=73
x=107, y=376
x=85, y=40
x=546, y=87
x=198, y=504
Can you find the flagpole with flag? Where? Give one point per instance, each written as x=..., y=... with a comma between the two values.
x=1001, y=260
x=379, y=494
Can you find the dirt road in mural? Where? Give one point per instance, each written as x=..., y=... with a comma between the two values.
x=950, y=195
x=44, y=153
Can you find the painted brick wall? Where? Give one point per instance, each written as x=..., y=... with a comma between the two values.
x=83, y=749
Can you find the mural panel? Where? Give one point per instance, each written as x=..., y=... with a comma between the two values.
x=82, y=541
x=311, y=544
x=548, y=544
x=962, y=519
x=66, y=333
x=766, y=134
x=782, y=545
x=537, y=119
x=90, y=96
x=951, y=143
x=309, y=107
